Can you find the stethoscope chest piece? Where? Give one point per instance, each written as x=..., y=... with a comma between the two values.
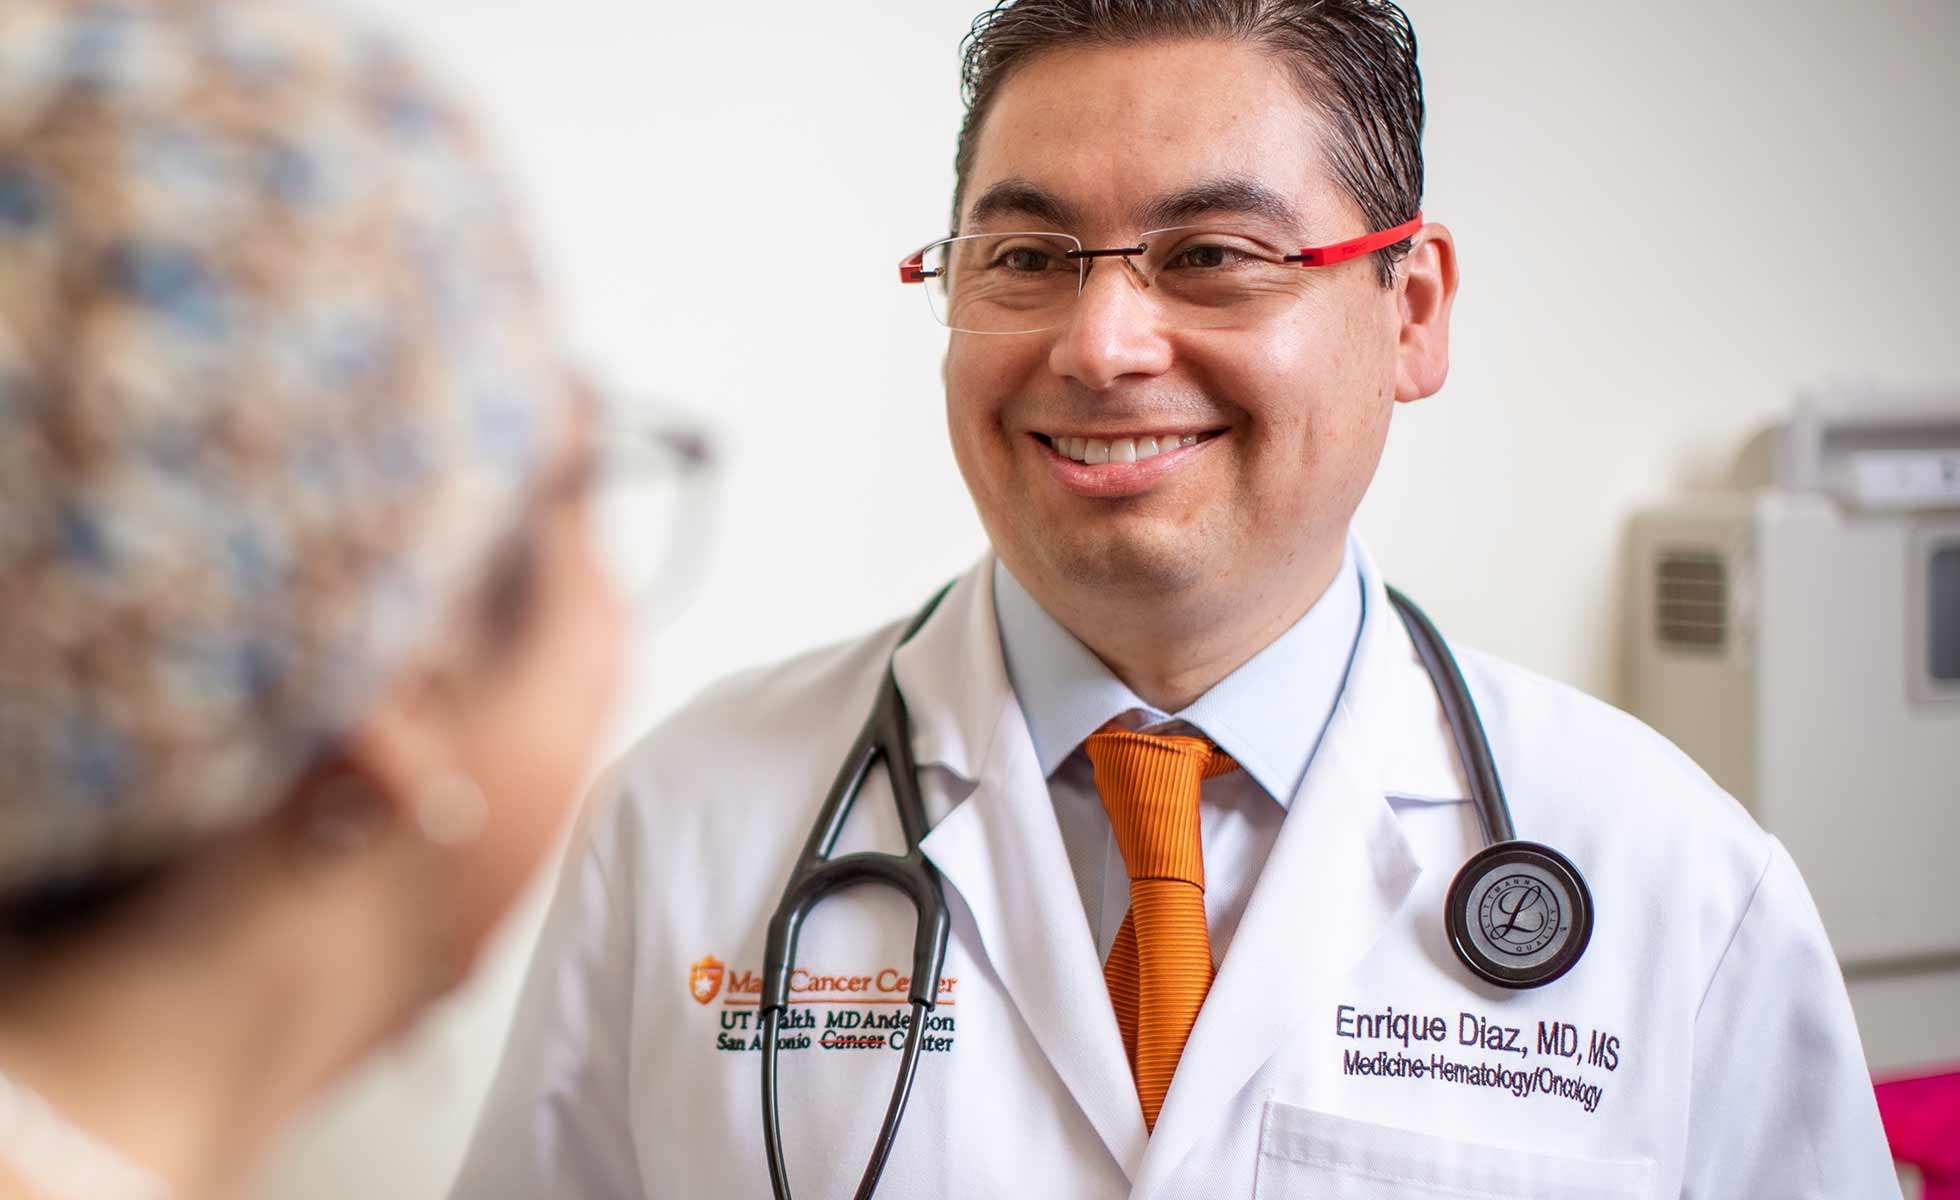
x=1519, y=914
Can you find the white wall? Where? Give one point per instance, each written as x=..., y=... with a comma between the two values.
x=1671, y=214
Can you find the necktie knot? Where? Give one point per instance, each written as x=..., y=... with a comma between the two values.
x=1149, y=786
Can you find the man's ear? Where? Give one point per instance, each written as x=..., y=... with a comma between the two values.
x=1425, y=289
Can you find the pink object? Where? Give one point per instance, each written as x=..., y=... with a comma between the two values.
x=1922, y=1123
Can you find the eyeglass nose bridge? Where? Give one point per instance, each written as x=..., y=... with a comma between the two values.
x=1124, y=254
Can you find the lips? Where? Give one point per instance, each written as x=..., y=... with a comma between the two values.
x=1096, y=451
x=1110, y=467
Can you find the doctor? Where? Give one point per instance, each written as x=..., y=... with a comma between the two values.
x=1166, y=442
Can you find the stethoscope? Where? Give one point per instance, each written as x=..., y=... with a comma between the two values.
x=1518, y=913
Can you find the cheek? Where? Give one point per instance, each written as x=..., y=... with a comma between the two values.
x=979, y=380
x=1317, y=397
x=982, y=374
x=1336, y=360
x=540, y=739
x=966, y=386
x=1338, y=344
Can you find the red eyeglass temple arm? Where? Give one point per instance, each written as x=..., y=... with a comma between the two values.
x=1339, y=252
x=912, y=269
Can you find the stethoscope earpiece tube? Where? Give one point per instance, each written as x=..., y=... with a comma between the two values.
x=886, y=736
x=1518, y=913
x=772, y=1128
x=908, y=1068
x=1466, y=728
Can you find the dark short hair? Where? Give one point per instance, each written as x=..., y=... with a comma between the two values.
x=1355, y=59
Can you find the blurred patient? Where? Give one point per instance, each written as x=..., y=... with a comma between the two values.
x=304, y=645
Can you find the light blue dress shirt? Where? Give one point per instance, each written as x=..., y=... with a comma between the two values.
x=1269, y=714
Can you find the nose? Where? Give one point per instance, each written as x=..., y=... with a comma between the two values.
x=1113, y=333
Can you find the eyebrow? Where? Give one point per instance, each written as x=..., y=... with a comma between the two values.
x=1023, y=199
x=1232, y=195
x=1229, y=195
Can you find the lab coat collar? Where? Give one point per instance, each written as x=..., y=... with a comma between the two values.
x=953, y=678
x=1415, y=747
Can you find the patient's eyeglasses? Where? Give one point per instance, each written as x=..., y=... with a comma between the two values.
x=656, y=503
x=1197, y=276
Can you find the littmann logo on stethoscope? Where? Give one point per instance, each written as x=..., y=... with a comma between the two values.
x=1519, y=915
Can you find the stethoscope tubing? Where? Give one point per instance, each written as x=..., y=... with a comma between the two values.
x=908, y=1070
x=1466, y=725
x=886, y=734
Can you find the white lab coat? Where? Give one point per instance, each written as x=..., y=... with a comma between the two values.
x=1703, y=1047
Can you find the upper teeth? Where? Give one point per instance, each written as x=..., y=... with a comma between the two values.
x=1096, y=451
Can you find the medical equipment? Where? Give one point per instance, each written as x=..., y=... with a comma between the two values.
x=1518, y=913
x=1798, y=634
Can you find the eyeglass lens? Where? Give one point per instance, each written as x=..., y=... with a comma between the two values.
x=1202, y=277
x=654, y=512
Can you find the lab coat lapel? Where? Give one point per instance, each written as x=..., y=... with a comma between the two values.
x=946, y=675
x=1339, y=870
x=1001, y=851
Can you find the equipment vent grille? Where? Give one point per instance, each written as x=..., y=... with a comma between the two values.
x=1691, y=601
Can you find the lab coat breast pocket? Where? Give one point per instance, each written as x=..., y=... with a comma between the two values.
x=1303, y=1153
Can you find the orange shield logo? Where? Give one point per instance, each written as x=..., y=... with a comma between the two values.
x=704, y=979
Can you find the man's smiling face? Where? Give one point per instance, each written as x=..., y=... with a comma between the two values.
x=1276, y=424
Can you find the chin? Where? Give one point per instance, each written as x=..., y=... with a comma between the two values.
x=1132, y=564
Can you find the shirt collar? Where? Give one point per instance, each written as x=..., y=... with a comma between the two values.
x=1269, y=714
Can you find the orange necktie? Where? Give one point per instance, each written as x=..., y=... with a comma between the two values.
x=1160, y=967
